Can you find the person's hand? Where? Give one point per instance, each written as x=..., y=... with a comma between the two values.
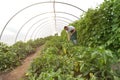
x=71, y=34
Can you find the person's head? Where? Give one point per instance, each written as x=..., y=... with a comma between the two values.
x=65, y=27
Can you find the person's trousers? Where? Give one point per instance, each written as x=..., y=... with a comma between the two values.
x=73, y=37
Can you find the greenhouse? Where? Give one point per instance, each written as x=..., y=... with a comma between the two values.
x=60, y=40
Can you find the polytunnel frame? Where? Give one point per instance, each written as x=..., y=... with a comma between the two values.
x=42, y=20
x=40, y=30
x=33, y=32
x=31, y=6
x=40, y=15
x=37, y=34
x=42, y=24
x=62, y=24
x=43, y=27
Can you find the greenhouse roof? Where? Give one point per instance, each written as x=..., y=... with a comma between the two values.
x=31, y=19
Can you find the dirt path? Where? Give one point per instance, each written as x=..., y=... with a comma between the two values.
x=19, y=72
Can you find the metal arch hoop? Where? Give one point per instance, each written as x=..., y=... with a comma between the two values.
x=40, y=25
x=40, y=33
x=43, y=27
x=31, y=6
x=37, y=16
x=44, y=31
x=40, y=15
x=40, y=28
x=42, y=20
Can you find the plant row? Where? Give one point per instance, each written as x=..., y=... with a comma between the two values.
x=64, y=61
x=12, y=56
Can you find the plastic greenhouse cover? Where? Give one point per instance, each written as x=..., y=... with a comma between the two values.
x=31, y=19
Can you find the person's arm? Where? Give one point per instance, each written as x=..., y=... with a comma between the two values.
x=68, y=36
x=73, y=31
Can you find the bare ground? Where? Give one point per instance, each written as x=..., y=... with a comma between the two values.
x=19, y=72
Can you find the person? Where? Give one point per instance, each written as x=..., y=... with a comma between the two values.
x=72, y=33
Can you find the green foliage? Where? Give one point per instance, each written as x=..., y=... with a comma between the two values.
x=38, y=42
x=3, y=47
x=8, y=59
x=51, y=66
x=64, y=35
x=11, y=56
x=100, y=26
x=54, y=44
x=96, y=61
x=76, y=63
x=22, y=49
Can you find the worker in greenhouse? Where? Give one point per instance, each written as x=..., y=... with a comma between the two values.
x=72, y=34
